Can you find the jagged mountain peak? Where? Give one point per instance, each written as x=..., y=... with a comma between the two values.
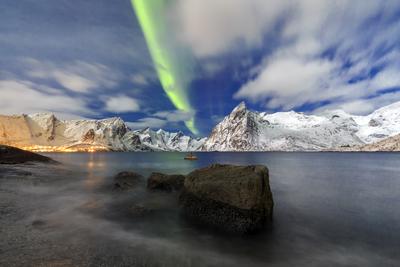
x=241, y=130
x=237, y=131
x=239, y=108
x=244, y=130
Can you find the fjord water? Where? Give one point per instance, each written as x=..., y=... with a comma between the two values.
x=331, y=209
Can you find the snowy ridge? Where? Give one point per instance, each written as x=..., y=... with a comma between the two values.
x=245, y=130
x=241, y=130
x=44, y=130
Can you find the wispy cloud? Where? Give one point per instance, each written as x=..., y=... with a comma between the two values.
x=326, y=58
x=174, y=115
x=121, y=104
x=153, y=123
x=161, y=119
x=18, y=96
x=78, y=76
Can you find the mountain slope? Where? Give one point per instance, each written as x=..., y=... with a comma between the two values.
x=238, y=131
x=388, y=144
x=44, y=132
x=241, y=130
x=245, y=130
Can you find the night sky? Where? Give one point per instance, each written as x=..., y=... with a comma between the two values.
x=90, y=58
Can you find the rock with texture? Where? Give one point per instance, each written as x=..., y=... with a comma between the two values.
x=127, y=180
x=12, y=155
x=391, y=144
x=165, y=182
x=232, y=198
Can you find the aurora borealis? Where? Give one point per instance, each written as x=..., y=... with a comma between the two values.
x=171, y=66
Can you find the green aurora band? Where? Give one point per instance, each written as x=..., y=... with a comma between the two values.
x=171, y=72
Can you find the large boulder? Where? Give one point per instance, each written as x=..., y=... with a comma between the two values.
x=13, y=155
x=165, y=182
x=127, y=180
x=232, y=198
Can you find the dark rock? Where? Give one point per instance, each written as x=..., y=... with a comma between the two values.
x=13, y=155
x=236, y=199
x=137, y=210
x=164, y=182
x=38, y=223
x=89, y=136
x=374, y=123
x=127, y=180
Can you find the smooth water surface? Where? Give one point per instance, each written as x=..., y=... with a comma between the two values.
x=331, y=209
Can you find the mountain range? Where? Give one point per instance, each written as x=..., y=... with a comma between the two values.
x=44, y=132
x=241, y=130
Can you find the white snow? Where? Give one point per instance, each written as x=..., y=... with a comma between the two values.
x=241, y=130
x=293, y=131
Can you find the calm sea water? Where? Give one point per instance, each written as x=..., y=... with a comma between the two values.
x=331, y=209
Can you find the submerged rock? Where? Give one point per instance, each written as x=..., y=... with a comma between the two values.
x=13, y=155
x=232, y=198
x=165, y=182
x=127, y=180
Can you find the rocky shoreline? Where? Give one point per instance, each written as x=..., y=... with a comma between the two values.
x=230, y=198
x=233, y=199
x=12, y=155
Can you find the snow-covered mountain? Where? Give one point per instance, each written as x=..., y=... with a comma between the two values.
x=44, y=132
x=148, y=139
x=242, y=130
x=245, y=130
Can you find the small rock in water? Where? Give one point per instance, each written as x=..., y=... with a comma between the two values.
x=164, y=182
x=38, y=223
x=235, y=199
x=127, y=180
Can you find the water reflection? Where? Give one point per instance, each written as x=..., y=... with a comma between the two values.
x=95, y=167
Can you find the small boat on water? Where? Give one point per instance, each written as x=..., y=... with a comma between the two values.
x=190, y=156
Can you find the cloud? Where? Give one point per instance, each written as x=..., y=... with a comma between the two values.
x=121, y=104
x=211, y=27
x=161, y=119
x=329, y=51
x=78, y=76
x=23, y=96
x=139, y=79
x=287, y=76
x=153, y=123
x=174, y=115
x=363, y=106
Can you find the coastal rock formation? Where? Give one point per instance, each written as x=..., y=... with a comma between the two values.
x=231, y=198
x=12, y=155
x=165, y=182
x=126, y=180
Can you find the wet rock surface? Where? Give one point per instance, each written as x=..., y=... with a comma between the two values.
x=127, y=180
x=165, y=182
x=235, y=199
x=13, y=155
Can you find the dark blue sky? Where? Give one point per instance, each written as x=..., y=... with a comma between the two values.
x=90, y=59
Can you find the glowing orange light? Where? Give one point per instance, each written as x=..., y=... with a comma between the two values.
x=91, y=148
